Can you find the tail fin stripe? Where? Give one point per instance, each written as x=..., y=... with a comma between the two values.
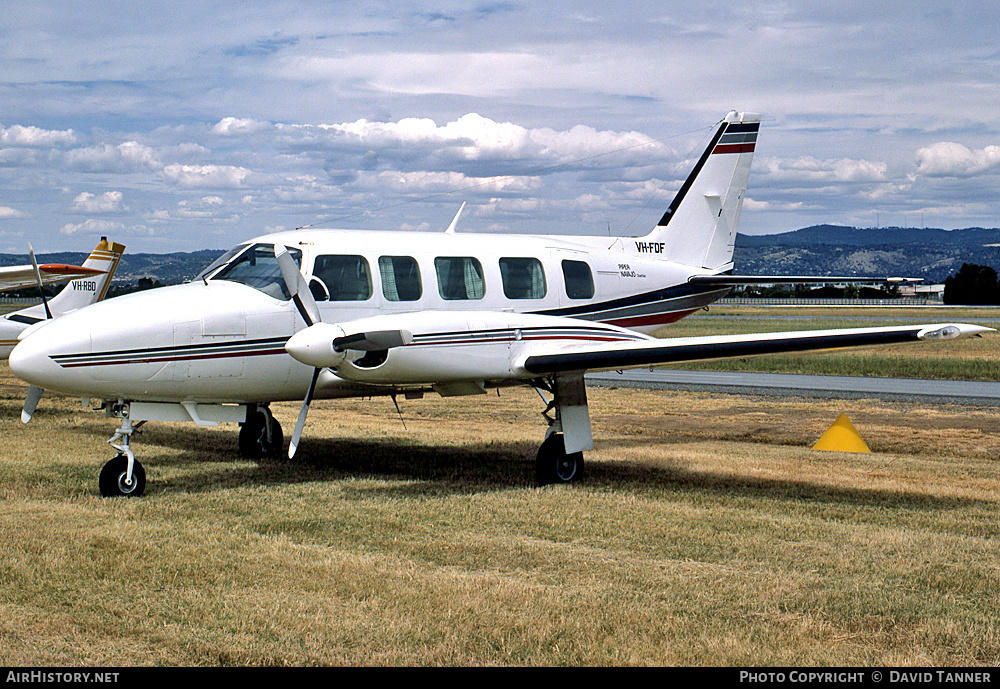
x=734, y=148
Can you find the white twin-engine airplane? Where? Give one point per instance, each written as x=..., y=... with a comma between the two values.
x=89, y=283
x=346, y=313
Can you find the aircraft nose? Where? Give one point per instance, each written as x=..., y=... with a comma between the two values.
x=30, y=361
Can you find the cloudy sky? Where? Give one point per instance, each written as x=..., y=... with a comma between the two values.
x=185, y=125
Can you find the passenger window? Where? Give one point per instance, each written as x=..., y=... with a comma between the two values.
x=400, y=278
x=342, y=278
x=579, y=280
x=460, y=277
x=523, y=278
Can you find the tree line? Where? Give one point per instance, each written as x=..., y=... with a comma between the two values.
x=972, y=284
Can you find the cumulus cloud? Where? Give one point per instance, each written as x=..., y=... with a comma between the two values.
x=426, y=182
x=231, y=126
x=129, y=156
x=206, y=176
x=808, y=168
x=91, y=226
x=7, y=213
x=421, y=143
x=36, y=137
x=108, y=202
x=949, y=159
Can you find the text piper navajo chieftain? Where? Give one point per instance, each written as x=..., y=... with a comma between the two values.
x=347, y=313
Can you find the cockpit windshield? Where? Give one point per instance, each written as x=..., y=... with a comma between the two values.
x=257, y=267
x=220, y=261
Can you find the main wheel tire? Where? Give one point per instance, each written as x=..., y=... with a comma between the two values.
x=253, y=442
x=112, y=479
x=553, y=465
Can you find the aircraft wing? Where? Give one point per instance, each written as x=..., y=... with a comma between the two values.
x=547, y=359
x=19, y=277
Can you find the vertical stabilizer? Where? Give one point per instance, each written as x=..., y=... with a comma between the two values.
x=699, y=227
x=83, y=291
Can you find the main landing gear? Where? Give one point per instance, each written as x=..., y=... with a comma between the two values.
x=260, y=435
x=553, y=465
x=568, y=428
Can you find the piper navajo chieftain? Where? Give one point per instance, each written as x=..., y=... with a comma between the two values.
x=89, y=284
x=342, y=313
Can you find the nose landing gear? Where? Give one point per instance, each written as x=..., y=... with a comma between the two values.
x=123, y=476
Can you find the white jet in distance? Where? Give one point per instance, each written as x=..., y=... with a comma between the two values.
x=89, y=283
x=347, y=313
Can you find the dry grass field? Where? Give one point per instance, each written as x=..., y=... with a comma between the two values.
x=706, y=532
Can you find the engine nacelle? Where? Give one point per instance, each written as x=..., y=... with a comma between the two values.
x=442, y=347
x=314, y=346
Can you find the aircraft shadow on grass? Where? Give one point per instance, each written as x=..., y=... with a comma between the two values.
x=486, y=466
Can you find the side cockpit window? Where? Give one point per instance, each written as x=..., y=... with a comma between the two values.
x=257, y=267
x=341, y=278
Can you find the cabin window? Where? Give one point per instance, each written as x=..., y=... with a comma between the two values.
x=341, y=278
x=460, y=277
x=400, y=278
x=523, y=278
x=257, y=267
x=579, y=280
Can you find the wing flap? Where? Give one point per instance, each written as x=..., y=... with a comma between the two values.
x=686, y=349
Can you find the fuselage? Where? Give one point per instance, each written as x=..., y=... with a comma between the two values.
x=221, y=337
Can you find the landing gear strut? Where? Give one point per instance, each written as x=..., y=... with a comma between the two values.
x=123, y=475
x=569, y=427
x=260, y=434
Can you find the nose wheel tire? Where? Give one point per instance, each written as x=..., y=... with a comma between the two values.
x=113, y=481
x=553, y=465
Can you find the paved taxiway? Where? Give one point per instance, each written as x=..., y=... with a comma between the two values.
x=784, y=384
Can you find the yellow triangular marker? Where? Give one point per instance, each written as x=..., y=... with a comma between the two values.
x=841, y=437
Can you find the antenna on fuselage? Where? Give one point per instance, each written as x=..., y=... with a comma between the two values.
x=454, y=223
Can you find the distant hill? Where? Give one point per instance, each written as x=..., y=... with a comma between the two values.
x=932, y=254
x=170, y=269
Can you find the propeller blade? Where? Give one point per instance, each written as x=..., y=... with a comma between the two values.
x=31, y=402
x=373, y=341
x=300, y=423
x=297, y=286
x=41, y=289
